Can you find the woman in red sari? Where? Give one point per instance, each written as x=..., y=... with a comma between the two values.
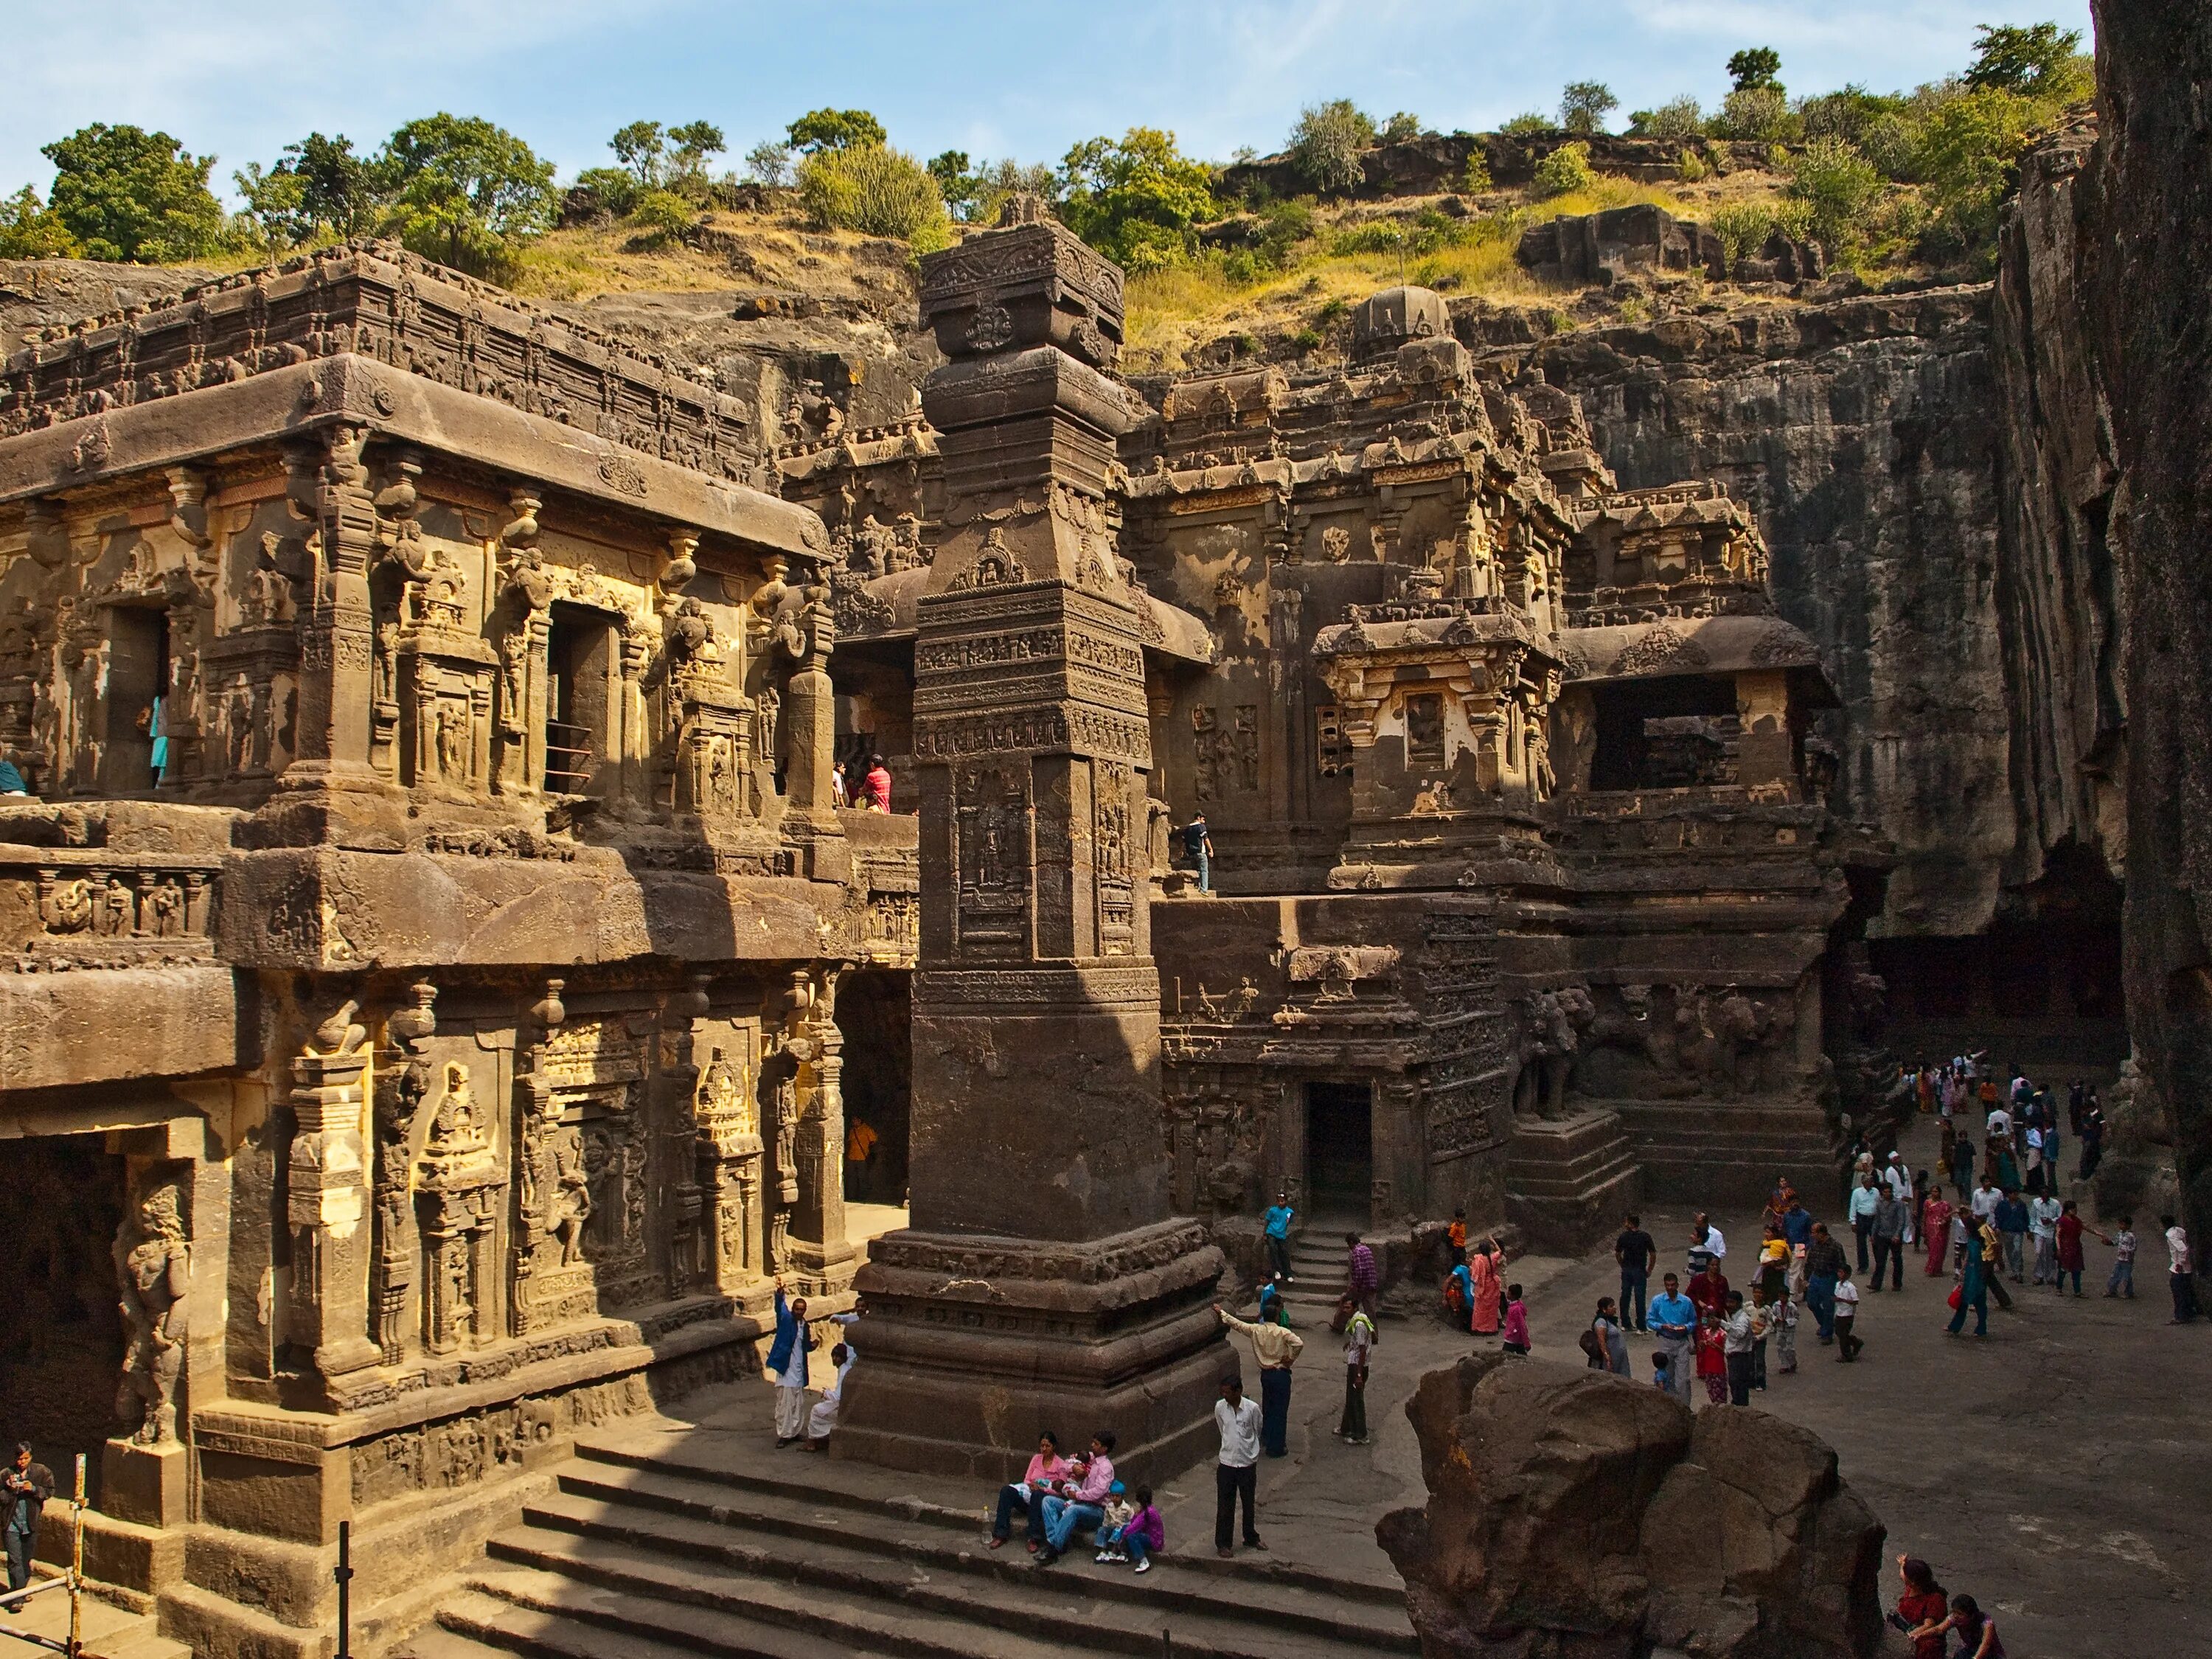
x=1935, y=1229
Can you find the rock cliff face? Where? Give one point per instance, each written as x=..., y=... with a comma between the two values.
x=2058, y=584
x=1864, y=432
x=2144, y=216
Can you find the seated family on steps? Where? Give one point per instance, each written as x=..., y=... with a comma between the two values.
x=1062, y=1496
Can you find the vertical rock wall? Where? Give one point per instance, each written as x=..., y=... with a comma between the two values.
x=2144, y=218
x=1864, y=433
x=2059, y=583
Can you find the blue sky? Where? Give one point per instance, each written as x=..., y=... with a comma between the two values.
x=994, y=77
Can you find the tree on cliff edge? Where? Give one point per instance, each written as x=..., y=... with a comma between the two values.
x=126, y=194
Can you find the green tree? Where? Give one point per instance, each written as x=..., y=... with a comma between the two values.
x=1584, y=104
x=1137, y=198
x=639, y=147
x=955, y=182
x=2038, y=61
x=1675, y=120
x=768, y=163
x=835, y=129
x=1326, y=145
x=1526, y=126
x=1755, y=68
x=345, y=193
x=1839, y=188
x=30, y=230
x=875, y=190
x=1760, y=114
x=469, y=191
x=1564, y=169
x=662, y=217
x=690, y=145
x=275, y=206
x=611, y=191
x=129, y=195
x=1403, y=128
x=1965, y=153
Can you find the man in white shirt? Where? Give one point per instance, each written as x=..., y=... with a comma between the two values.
x=1705, y=1244
x=2180, y=1269
x=1898, y=1178
x=1236, y=1473
x=1986, y=1199
x=2043, y=1215
x=2000, y=1121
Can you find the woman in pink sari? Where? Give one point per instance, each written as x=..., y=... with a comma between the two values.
x=1935, y=1229
x=1483, y=1268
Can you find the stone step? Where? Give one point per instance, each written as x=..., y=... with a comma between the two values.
x=544, y=1615
x=870, y=1604
x=696, y=1519
x=727, y=1469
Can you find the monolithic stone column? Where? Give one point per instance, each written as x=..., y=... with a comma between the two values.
x=1044, y=1280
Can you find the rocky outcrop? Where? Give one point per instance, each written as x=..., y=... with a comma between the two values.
x=1862, y=433
x=2145, y=210
x=39, y=294
x=1573, y=1512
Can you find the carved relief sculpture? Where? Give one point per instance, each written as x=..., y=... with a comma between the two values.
x=153, y=1269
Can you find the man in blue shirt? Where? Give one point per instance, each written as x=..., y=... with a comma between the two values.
x=1864, y=1198
x=1797, y=1223
x=1675, y=1323
x=1278, y=1219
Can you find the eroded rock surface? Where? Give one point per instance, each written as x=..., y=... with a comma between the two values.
x=1575, y=1513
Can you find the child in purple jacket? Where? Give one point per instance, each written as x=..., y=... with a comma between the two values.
x=1135, y=1539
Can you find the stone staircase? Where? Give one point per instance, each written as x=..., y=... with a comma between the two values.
x=650, y=1549
x=1318, y=1274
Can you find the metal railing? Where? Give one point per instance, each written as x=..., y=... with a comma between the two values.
x=568, y=757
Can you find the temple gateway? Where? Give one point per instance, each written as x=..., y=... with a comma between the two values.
x=439, y=971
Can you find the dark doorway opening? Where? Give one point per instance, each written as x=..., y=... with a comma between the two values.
x=1340, y=1149
x=61, y=1333
x=579, y=658
x=138, y=682
x=872, y=1014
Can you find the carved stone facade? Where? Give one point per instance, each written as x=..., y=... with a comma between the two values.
x=1504, y=768
x=430, y=885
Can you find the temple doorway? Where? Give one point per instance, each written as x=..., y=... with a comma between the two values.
x=1339, y=1149
x=61, y=1198
x=879, y=1089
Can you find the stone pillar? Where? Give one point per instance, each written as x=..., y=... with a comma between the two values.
x=329, y=487
x=818, y=1245
x=1045, y=1279
x=328, y=1206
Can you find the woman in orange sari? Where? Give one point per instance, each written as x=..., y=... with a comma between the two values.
x=1483, y=1270
x=1935, y=1230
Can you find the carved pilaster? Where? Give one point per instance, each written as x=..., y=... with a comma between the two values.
x=327, y=1208
x=328, y=487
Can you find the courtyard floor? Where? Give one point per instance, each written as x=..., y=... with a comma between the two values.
x=2053, y=1470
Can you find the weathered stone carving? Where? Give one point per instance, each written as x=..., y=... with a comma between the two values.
x=153, y=1269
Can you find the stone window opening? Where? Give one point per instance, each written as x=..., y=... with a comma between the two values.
x=137, y=682
x=1665, y=733
x=581, y=656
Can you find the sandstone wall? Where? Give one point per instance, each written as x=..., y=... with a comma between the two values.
x=1864, y=433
